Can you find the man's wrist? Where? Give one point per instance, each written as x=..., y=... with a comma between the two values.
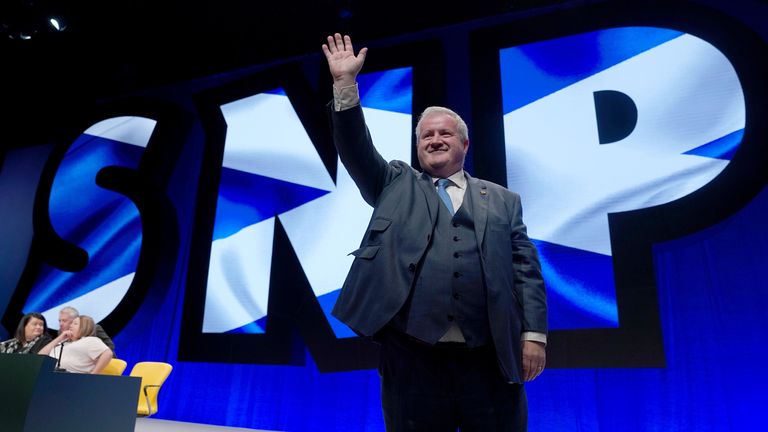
x=345, y=97
x=344, y=82
x=535, y=337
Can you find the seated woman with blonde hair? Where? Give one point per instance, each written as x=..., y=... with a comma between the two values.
x=84, y=352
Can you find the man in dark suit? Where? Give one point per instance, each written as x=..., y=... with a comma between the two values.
x=445, y=279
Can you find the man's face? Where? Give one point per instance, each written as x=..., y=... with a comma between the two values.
x=65, y=320
x=441, y=152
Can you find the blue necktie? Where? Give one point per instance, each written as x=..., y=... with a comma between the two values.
x=443, y=194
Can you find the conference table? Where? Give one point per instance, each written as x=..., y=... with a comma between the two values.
x=36, y=398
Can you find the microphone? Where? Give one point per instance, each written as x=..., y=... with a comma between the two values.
x=58, y=361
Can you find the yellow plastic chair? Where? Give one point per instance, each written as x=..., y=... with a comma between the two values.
x=114, y=367
x=153, y=375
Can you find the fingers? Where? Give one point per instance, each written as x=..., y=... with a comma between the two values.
x=334, y=45
x=532, y=370
x=536, y=371
x=326, y=51
x=338, y=43
x=529, y=370
x=348, y=44
x=343, y=64
x=534, y=360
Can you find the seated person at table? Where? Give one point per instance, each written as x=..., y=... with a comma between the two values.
x=82, y=351
x=69, y=313
x=31, y=335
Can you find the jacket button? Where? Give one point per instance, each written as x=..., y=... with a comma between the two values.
x=456, y=274
x=456, y=255
x=450, y=317
x=411, y=267
x=455, y=238
x=456, y=296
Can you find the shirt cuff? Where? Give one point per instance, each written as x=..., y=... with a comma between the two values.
x=535, y=336
x=346, y=97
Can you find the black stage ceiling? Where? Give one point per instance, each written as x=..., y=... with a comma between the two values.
x=117, y=47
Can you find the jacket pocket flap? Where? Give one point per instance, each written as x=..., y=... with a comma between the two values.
x=367, y=252
x=380, y=224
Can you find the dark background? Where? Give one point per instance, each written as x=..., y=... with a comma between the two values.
x=711, y=280
x=114, y=48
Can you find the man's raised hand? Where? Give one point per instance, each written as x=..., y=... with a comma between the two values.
x=342, y=61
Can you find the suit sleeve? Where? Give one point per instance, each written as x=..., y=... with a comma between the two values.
x=529, y=281
x=101, y=334
x=365, y=165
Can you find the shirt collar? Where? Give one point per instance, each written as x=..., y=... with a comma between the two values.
x=458, y=179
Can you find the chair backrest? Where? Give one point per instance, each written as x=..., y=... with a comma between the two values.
x=153, y=375
x=114, y=367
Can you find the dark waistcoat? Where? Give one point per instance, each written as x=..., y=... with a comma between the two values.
x=449, y=286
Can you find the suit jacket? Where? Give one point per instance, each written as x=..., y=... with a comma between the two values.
x=405, y=212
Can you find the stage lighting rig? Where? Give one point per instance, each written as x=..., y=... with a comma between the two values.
x=30, y=19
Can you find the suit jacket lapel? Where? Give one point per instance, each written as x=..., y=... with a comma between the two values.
x=479, y=199
x=425, y=182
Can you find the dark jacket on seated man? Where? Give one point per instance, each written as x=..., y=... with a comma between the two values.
x=101, y=334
